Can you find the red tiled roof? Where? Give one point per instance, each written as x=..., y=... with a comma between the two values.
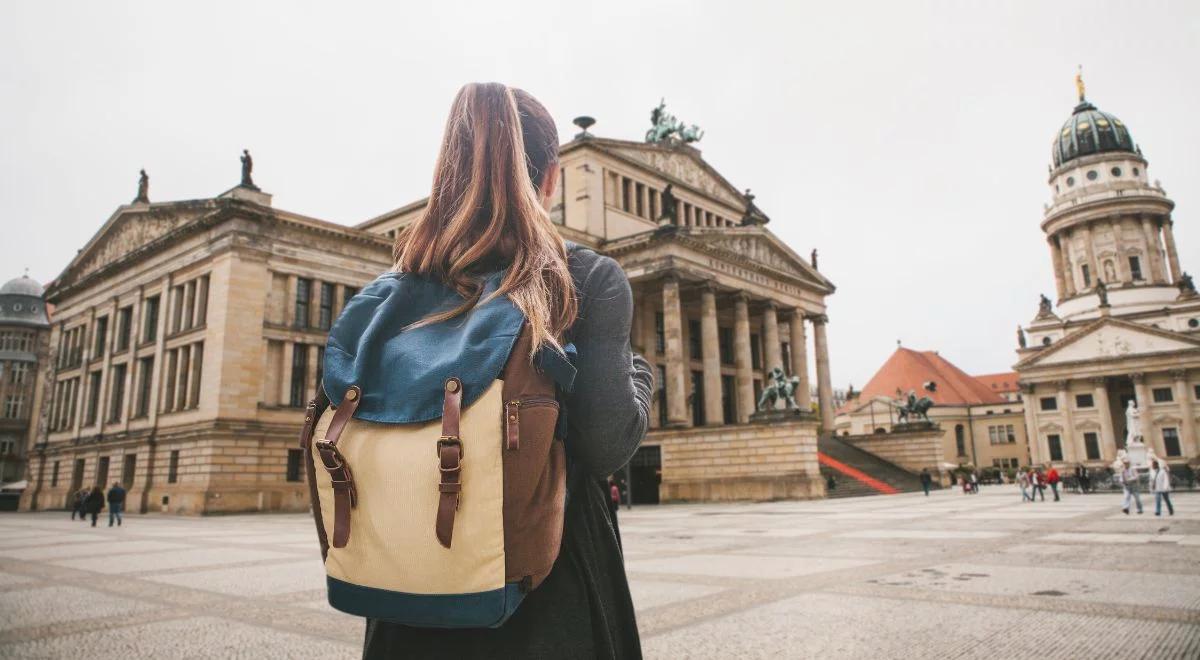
x=908, y=370
x=1000, y=383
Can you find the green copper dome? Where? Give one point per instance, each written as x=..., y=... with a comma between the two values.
x=1090, y=131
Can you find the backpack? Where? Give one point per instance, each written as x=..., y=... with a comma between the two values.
x=438, y=479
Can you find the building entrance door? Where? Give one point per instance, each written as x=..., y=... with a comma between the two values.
x=645, y=474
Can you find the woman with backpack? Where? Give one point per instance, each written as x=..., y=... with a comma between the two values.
x=494, y=182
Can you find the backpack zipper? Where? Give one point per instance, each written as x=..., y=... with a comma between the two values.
x=512, y=417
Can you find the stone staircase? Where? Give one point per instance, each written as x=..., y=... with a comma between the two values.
x=859, y=473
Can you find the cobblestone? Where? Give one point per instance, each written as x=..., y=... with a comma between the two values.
x=948, y=576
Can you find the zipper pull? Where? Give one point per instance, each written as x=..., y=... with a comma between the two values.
x=512, y=425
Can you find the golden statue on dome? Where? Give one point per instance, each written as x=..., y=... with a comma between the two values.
x=1079, y=83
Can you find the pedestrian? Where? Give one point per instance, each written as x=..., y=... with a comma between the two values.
x=1039, y=484
x=974, y=482
x=926, y=481
x=94, y=503
x=116, y=503
x=1023, y=482
x=1129, y=483
x=1052, y=479
x=1160, y=485
x=497, y=176
x=77, y=504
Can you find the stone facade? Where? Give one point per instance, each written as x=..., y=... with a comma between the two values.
x=189, y=334
x=24, y=336
x=1126, y=326
x=186, y=340
x=913, y=447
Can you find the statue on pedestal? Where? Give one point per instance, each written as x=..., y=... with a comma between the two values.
x=914, y=407
x=1102, y=292
x=669, y=206
x=1044, y=306
x=779, y=386
x=1135, y=448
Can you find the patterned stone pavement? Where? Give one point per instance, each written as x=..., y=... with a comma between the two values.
x=949, y=576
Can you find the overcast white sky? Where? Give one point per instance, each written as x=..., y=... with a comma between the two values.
x=907, y=141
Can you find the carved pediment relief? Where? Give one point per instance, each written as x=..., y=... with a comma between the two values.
x=688, y=169
x=1167, y=420
x=1050, y=427
x=124, y=233
x=1088, y=425
x=751, y=248
x=1111, y=339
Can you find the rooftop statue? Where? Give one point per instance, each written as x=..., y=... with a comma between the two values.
x=1102, y=292
x=914, y=407
x=1020, y=337
x=247, y=169
x=1187, y=287
x=143, y=193
x=666, y=128
x=1044, y=306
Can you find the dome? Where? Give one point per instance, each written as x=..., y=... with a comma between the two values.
x=22, y=286
x=1090, y=131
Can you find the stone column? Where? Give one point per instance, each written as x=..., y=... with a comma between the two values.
x=741, y=354
x=799, y=345
x=1142, y=391
x=1188, y=445
x=710, y=347
x=310, y=382
x=772, y=355
x=1108, y=439
x=285, y=374
x=677, y=408
x=1034, y=438
x=1172, y=252
x=1122, y=264
x=824, y=384
x=1056, y=257
x=1153, y=253
x=649, y=314
x=1069, y=450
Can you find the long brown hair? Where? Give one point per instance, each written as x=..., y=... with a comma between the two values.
x=485, y=211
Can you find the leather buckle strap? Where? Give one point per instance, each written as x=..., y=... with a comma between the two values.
x=450, y=456
x=345, y=495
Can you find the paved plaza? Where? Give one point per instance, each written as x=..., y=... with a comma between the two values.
x=949, y=576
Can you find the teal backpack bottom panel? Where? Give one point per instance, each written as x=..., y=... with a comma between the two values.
x=486, y=609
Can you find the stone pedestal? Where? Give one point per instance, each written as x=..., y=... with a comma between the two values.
x=782, y=416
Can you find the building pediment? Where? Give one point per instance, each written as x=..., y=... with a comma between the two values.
x=681, y=163
x=1050, y=427
x=1088, y=425
x=128, y=230
x=1111, y=339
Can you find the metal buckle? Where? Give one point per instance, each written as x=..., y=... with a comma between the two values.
x=447, y=440
x=329, y=451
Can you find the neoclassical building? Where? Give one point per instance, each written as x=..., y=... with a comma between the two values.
x=24, y=330
x=1126, y=326
x=719, y=300
x=188, y=336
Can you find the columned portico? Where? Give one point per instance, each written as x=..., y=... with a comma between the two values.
x=1067, y=446
x=1188, y=422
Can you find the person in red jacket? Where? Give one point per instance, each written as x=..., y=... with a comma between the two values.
x=1052, y=479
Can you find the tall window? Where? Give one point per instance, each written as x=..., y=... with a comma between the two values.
x=662, y=395
x=1171, y=441
x=1135, y=267
x=294, y=461
x=93, y=405
x=128, y=468
x=116, y=401
x=18, y=372
x=660, y=336
x=173, y=467
x=1055, y=443
x=1091, y=446
x=695, y=343
x=1087, y=275
x=698, y=417
x=99, y=337
x=725, y=343
x=960, y=440
x=14, y=404
x=325, y=313
x=728, y=410
x=124, y=327
x=150, y=319
x=102, y=471
x=145, y=381
x=54, y=475
x=303, y=296
x=299, y=373
x=755, y=353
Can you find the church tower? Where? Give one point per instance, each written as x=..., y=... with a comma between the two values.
x=1125, y=332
